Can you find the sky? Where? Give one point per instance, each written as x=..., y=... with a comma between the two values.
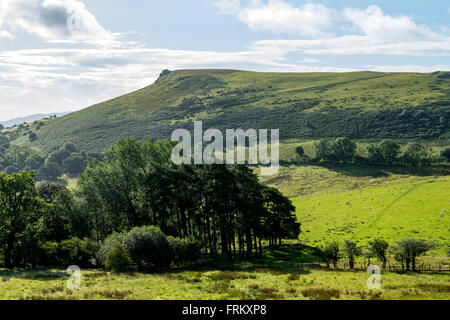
x=65, y=55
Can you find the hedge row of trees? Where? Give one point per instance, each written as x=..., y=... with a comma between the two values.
x=404, y=251
x=387, y=152
x=224, y=211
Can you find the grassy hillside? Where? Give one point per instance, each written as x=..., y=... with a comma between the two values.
x=301, y=105
x=393, y=212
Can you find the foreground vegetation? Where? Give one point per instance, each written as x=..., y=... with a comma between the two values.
x=237, y=283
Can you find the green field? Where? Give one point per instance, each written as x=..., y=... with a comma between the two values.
x=253, y=283
x=411, y=210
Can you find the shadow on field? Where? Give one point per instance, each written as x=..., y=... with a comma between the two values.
x=356, y=170
x=32, y=274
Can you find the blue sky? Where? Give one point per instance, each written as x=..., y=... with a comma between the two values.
x=59, y=55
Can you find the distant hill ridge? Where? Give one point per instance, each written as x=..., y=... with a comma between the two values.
x=31, y=118
x=301, y=105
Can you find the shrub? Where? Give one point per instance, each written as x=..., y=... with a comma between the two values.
x=108, y=245
x=77, y=252
x=184, y=252
x=72, y=251
x=149, y=248
x=118, y=260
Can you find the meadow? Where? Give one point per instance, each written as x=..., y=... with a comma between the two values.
x=240, y=282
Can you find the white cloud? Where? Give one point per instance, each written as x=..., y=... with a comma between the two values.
x=228, y=6
x=279, y=16
x=53, y=21
x=358, y=45
x=375, y=24
x=34, y=81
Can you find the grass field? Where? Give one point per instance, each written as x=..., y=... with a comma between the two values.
x=261, y=284
x=406, y=210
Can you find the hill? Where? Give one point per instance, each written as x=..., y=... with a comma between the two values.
x=301, y=105
x=31, y=118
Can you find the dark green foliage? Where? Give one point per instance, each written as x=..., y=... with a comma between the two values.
x=378, y=248
x=34, y=162
x=407, y=251
x=446, y=153
x=341, y=150
x=19, y=208
x=68, y=252
x=69, y=146
x=58, y=156
x=32, y=136
x=330, y=253
x=222, y=209
x=118, y=260
x=352, y=251
x=415, y=154
x=74, y=164
x=148, y=248
x=183, y=252
x=300, y=151
x=386, y=152
x=50, y=171
x=279, y=222
x=344, y=150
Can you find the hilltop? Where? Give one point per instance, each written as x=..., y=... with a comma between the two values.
x=359, y=105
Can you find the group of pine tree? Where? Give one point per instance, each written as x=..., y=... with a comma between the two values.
x=137, y=199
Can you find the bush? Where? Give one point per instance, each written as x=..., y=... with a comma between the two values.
x=73, y=251
x=108, y=245
x=184, y=252
x=118, y=260
x=50, y=171
x=149, y=248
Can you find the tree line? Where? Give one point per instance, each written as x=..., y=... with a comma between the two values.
x=387, y=152
x=405, y=252
x=224, y=211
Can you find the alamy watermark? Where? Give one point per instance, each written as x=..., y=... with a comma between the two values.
x=190, y=150
x=374, y=281
x=74, y=281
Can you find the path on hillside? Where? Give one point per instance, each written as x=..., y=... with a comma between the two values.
x=385, y=209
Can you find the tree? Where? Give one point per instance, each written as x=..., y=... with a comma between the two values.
x=50, y=171
x=280, y=221
x=32, y=137
x=375, y=154
x=324, y=150
x=58, y=156
x=1, y=127
x=61, y=219
x=300, y=151
x=34, y=162
x=118, y=260
x=330, y=253
x=409, y=249
x=352, y=251
x=390, y=151
x=379, y=249
x=19, y=211
x=74, y=164
x=69, y=146
x=344, y=150
x=446, y=153
x=415, y=154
